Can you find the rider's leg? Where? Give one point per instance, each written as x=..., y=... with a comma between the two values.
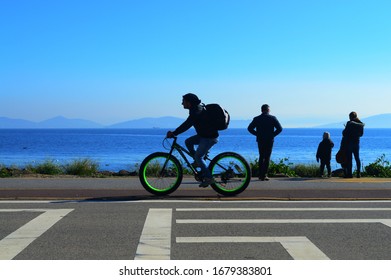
x=190, y=142
x=203, y=147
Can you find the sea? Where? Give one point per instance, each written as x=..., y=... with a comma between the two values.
x=124, y=149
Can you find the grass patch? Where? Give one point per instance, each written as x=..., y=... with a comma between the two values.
x=306, y=170
x=82, y=167
x=48, y=167
x=381, y=168
x=276, y=169
x=79, y=167
x=5, y=172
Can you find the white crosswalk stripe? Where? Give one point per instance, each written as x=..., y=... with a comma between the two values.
x=17, y=241
x=156, y=246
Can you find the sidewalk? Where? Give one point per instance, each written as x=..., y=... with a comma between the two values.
x=325, y=189
x=130, y=189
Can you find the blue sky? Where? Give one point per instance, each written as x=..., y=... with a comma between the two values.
x=110, y=61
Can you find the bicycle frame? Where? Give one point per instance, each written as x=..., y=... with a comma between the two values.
x=182, y=151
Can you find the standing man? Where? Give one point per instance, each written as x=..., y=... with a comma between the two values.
x=265, y=127
x=354, y=129
x=207, y=135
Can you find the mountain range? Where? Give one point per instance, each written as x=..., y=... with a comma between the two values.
x=377, y=121
x=57, y=122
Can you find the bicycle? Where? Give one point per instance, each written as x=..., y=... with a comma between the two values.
x=161, y=173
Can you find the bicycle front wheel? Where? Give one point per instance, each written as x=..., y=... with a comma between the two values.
x=231, y=172
x=160, y=173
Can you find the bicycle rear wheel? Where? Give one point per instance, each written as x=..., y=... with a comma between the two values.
x=160, y=173
x=231, y=172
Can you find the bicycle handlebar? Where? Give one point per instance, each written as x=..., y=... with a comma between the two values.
x=168, y=143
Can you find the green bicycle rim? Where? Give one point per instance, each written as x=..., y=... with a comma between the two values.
x=238, y=187
x=152, y=187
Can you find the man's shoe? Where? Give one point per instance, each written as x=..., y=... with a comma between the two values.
x=264, y=178
x=206, y=182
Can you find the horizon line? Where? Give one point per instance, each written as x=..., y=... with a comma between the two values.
x=98, y=125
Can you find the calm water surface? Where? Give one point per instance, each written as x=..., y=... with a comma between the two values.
x=116, y=149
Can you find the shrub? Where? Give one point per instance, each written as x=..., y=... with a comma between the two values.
x=82, y=167
x=283, y=167
x=48, y=167
x=306, y=170
x=380, y=168
x=5, y=172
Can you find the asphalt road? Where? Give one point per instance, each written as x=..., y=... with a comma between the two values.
x=116, y=219
x=195, y=230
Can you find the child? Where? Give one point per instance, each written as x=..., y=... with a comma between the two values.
x=324, y=154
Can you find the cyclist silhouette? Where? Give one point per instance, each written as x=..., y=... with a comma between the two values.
x=206, y=136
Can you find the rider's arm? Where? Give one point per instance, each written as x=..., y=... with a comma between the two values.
x=187, y=124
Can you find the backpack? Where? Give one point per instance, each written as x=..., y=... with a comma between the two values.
x=218, y=116
x=340, y=157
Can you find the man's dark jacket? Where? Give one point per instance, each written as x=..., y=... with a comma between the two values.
x=265, y=127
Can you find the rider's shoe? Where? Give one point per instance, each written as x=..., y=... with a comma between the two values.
x=206, y=182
